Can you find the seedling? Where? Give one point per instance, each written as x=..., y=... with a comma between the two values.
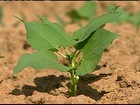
x=86, y=12
x=1, y=16
x=135, y=20
x=88, y=43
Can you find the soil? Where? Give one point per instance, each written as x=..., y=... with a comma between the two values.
x=116, y=80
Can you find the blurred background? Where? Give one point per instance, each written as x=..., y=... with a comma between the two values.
x=71, y=15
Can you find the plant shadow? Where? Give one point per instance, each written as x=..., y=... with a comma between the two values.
x=86, y=89
x=47, y=83
x=42, y=84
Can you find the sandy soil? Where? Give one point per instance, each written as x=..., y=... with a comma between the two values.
x=116, y=81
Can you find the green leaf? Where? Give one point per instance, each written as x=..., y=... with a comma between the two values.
x=40, y=60
x=80, y=45
x=111, y=8
x=68, y=41
x=85, y=31
x=123, y=18
x=88, y=10
x=47, y=35
x=93, y=50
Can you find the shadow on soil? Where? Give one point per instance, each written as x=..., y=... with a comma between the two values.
x=47, y=83
x=43, y=84
x=84, y=88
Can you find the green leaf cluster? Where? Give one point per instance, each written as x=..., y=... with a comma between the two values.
x=88, y=42
x=47, y=37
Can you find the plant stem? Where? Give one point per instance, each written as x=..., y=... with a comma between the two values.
x=74, y=54
x=73, y=78
x=61, y=54
x=73, y=84
x=67, y=51
x=77, y=54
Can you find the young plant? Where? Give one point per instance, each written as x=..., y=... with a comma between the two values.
x=1, y=17
x=135, y=20
x=86, y=12
x=88, y=43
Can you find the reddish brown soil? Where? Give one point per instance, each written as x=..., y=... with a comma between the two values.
x=116, y=81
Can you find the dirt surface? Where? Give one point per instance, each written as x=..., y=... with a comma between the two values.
x=116, y=80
